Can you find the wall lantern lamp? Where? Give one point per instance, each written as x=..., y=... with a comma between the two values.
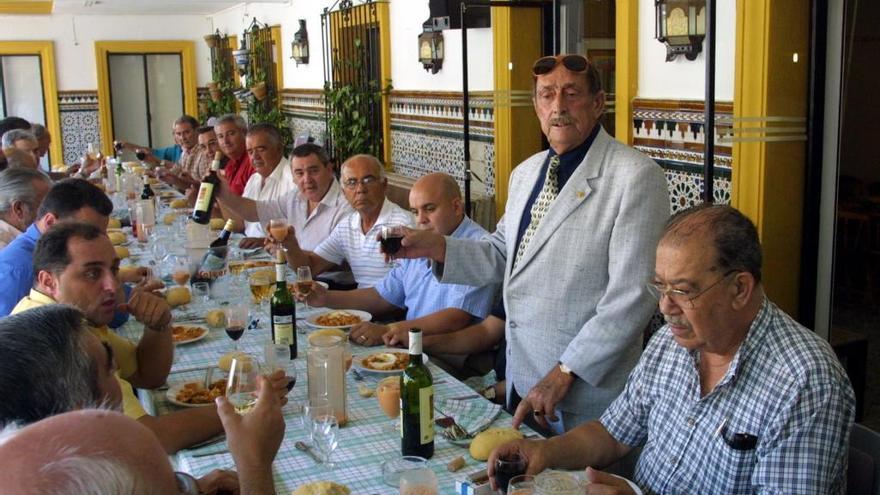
x=681, y=24
x=431, y=47
x=300, y=45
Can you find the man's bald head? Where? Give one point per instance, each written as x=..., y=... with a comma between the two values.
x=435, y=200
x=85, y=452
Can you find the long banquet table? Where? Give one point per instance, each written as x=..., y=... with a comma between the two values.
x=364, y=443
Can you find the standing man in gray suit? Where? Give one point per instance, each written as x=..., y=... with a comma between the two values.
x=574, y=251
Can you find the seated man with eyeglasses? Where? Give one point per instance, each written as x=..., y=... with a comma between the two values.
x=731, y=396
x=355, y=239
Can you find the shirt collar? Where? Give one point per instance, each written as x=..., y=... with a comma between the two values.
x=40, y=298
x=33, y=232
x=331, y=197
x=278, y=173
x=754, y=337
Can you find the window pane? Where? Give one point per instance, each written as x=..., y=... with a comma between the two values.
x=23, y=97
x=128, y=98
x=164, y=79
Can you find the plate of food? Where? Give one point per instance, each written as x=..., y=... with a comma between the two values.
x=338, y=318
x=384, y=361
x=194, y=394
x=186, y=334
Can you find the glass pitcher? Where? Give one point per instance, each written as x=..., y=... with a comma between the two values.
x=326, y=373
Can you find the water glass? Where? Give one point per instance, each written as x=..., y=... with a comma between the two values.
x=523, y=484
x=202, y=292
x=324, y=433
x=319, y=406
x=418, y=482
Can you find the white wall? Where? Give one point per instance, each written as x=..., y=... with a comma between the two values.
x=407, y=73
x=406, y=16
x=682, y=78
x=74, y=38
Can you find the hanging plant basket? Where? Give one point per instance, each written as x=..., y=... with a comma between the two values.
x=260, y=91
x=211, y=40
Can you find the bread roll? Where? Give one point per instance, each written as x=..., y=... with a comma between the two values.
x=217, y=223
x=215, y=318
x=169, y=218
x=179, y=203
x=121, y=252
x=485, y=442
x=322, y=488
x=177, y=296
x=114, y=223
x=127, y=271
x=225, y=363
x=117, y=238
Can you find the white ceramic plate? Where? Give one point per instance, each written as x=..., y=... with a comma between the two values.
x=363, y=315
x=358, y=361
x=171, y=395
x=190, y=341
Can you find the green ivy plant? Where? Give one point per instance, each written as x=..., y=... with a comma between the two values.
x=349, y=103
x=223, y=75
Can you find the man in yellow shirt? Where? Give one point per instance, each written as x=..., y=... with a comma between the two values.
x=75, y=264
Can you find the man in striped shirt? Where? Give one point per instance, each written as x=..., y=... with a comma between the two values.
x=355, y=238
x=731, y=396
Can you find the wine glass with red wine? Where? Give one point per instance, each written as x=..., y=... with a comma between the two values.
x=141, y=155
x=507, y=467
x=390, y=240
x=236, y=321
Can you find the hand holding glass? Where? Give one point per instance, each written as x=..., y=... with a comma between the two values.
x=241, y=387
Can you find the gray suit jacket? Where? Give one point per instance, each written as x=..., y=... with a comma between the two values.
x=578, y=295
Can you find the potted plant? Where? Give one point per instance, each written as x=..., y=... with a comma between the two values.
x=212, y=40
x=258, y=85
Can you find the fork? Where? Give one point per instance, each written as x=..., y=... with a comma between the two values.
x=451, y=429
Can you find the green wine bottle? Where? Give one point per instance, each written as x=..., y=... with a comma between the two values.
x=283, y=309
x=416, y=402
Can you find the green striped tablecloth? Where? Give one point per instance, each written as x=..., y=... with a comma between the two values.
x=364, y=443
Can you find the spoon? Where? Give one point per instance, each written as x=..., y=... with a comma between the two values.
x=300, y=445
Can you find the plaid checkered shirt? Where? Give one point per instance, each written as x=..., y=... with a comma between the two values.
x=784, y=386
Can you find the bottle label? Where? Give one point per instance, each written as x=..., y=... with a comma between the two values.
x=204, y=196
x=426, y=415
x=415, y=343
x=283, y=328
x=279, y=272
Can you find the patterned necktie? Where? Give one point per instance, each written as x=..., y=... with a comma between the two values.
x=540, y=206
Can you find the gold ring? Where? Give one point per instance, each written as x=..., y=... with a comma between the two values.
x=362, y=338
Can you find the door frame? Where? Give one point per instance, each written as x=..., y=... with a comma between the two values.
x=46, y=51
x=186, y=50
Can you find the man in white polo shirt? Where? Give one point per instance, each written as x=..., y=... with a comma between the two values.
x=355, y=238
x=313, y=208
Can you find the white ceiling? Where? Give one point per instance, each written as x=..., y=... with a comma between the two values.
x=147, y=7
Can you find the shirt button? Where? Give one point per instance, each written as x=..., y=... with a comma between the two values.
x=513, y=324
x=691, y=422
x=672, y=460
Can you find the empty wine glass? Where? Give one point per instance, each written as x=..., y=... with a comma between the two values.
x=278, y=358
x=316, y=406
x=241, y=387
x=324, y=433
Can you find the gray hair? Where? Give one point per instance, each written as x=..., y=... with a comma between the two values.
x=232, y=118
x=39, y=131
x=16, y=158
x=732, y=234
x=186, y=119
x=72, y=473
x=17, y=184
x=10, y=137
x=370, y=158
x=45, y=367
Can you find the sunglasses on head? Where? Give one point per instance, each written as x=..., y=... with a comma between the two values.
x=574, y=63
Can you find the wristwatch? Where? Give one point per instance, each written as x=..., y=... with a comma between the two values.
x=565, y=369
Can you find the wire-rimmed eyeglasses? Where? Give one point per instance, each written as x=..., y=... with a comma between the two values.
x=683, y=298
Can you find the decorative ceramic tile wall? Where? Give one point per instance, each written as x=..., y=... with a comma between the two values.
x=427, y=135
x=671, y=132
x=426, y=132
x=79, y=123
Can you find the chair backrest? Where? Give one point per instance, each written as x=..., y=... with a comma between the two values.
x=863, y=474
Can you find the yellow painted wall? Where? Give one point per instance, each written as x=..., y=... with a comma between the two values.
x=768, y=166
